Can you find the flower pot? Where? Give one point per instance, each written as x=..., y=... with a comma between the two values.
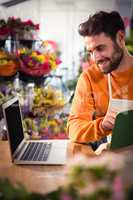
x=26, y=43
x=38, y=80
x=9, y=69
x=8, y=78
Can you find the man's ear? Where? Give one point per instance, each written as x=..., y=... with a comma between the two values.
x=120, y=37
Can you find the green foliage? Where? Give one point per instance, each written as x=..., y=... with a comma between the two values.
x=129, y=193
x=93, y=179
x=98, y=171
x=18, y=192
x=129, y=46
x=9, y=192
x=71, y=84
x=2, y=23
x=103, y=194
x=129, y=43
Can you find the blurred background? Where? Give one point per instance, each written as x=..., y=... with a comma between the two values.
x=42, y=56
x=59, y=20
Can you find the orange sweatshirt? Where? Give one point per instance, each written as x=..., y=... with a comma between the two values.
x=91, y=100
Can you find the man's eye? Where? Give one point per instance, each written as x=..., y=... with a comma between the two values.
x=100, y=48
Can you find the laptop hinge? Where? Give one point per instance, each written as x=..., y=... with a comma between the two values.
x=20, y=149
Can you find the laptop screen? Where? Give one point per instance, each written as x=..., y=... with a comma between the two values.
x=14, y=125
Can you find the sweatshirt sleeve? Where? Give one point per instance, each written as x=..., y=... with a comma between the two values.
x=81, y=126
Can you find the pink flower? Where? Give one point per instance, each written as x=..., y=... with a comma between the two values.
x=66, y=197
x=37, y=27
x=58, y=61
x=118, y=193
x=46, y=67
x=4, y=31
x=30, y=25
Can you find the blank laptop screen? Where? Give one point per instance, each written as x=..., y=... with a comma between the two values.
x=14, y=125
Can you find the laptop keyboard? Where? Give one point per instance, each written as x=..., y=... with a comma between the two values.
x=36, y=151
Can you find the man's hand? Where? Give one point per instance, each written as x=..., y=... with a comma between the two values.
x=109, y=120
x=101, y=148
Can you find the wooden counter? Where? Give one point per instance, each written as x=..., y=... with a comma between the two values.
x=37, y=178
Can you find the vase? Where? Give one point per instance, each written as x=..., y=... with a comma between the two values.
x=38, y=80
x=8, y=78
x=3, y=39
x=26, y=43
x=2, y=43
x=9, y=69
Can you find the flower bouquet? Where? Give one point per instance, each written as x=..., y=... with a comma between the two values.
x=47, y=101
x=4, y=32
x=14, y=26
x=43, y=128
x=8, y=64
x=35, y=63
x=28, y=30
x=17, y=28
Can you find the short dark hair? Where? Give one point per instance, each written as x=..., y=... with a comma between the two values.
x=108, y=23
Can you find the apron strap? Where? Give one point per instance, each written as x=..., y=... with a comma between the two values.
x=109, y=87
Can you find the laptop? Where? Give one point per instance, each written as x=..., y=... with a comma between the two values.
x=122, y=133
x=43, y=152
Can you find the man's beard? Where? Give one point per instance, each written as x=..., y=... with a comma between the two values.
x=114, y=61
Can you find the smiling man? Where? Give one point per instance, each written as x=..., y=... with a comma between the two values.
x=108, y=79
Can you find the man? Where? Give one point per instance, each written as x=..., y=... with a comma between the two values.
x=110, y=77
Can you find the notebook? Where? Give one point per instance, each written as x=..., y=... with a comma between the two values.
x=122, y=133
x=50, y=152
